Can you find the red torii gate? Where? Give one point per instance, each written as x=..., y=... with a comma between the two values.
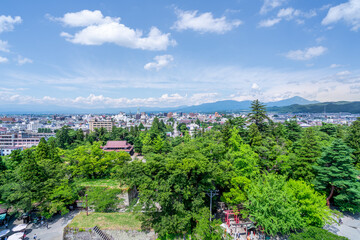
x=227, y=215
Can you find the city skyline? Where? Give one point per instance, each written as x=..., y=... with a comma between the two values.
x=164, y=53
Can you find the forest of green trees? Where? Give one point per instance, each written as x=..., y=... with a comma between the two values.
x=283, y=177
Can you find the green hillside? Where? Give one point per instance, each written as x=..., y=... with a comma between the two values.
x=330, y=107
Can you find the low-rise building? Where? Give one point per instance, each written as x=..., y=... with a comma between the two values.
x=118, y=146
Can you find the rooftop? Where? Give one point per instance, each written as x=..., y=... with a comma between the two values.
x=117, y=144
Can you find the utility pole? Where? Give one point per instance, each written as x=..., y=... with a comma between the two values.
x=211, y=194
x=87, y=208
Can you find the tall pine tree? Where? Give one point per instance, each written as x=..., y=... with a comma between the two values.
x=307, y=155
x=337, y=176
x=258, y=115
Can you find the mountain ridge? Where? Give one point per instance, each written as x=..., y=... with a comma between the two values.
x=324, y=107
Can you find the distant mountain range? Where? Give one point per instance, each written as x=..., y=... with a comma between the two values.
x=236, y=106
x=220, y=106
x=329, y=107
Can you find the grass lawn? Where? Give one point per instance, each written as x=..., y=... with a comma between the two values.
x=114, y=221
x=108, y=183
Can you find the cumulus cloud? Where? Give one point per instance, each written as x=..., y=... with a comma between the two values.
x=85, y=18
x=269, y=22
x=306, y=54
x=204, y=22
x=348, y=12
x=159, y=62
x=3, y=59
x=7, y=22
x=4, y=46
x=99, y=29
x=22, y=60
x=270, y=5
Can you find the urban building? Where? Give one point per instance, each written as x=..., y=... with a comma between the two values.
x=7, y=119
x=18, y=140
x=8, y=150
x=108, y=124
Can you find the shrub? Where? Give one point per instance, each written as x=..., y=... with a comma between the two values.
x=104, y=200
x=315, y=233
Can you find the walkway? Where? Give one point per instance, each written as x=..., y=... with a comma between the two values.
x=350, y=227
x=55, y=230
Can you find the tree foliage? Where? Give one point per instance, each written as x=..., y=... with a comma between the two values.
x=338, y=178
x=282, y=207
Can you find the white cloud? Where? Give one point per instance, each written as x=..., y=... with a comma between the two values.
x=7, y=22
x=204, y=22
x=320, y=39
x=325, y=7
x=343, y=73
x=159, y=62
x=99, y=30
x=306, y=54
x=3, y=59
x=269, y=22
x=22, y=60
x=288, y=14
x=323, y=84
x=255, y=86
x=85, y=18
x=66, y=35
x=270, y=5
x=348, y=12
x=4, y=46
x=335, y=65
x=100, y=101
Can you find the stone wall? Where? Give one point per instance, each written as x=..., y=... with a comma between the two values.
x=128, y=196
x=88, y=234
x=130, y=235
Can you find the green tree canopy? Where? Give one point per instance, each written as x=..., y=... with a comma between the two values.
x=353, y=140
x=307, y=154
x=337, y=176
x=282, y=207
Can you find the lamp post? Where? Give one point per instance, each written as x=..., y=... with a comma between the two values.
x=87, y=209
x=211, y=194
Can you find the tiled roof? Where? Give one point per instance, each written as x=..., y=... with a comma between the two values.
x=117, y=144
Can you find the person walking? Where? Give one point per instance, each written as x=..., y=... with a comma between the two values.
x=35, y=237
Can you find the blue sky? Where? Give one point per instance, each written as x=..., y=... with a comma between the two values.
x=162, y=53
